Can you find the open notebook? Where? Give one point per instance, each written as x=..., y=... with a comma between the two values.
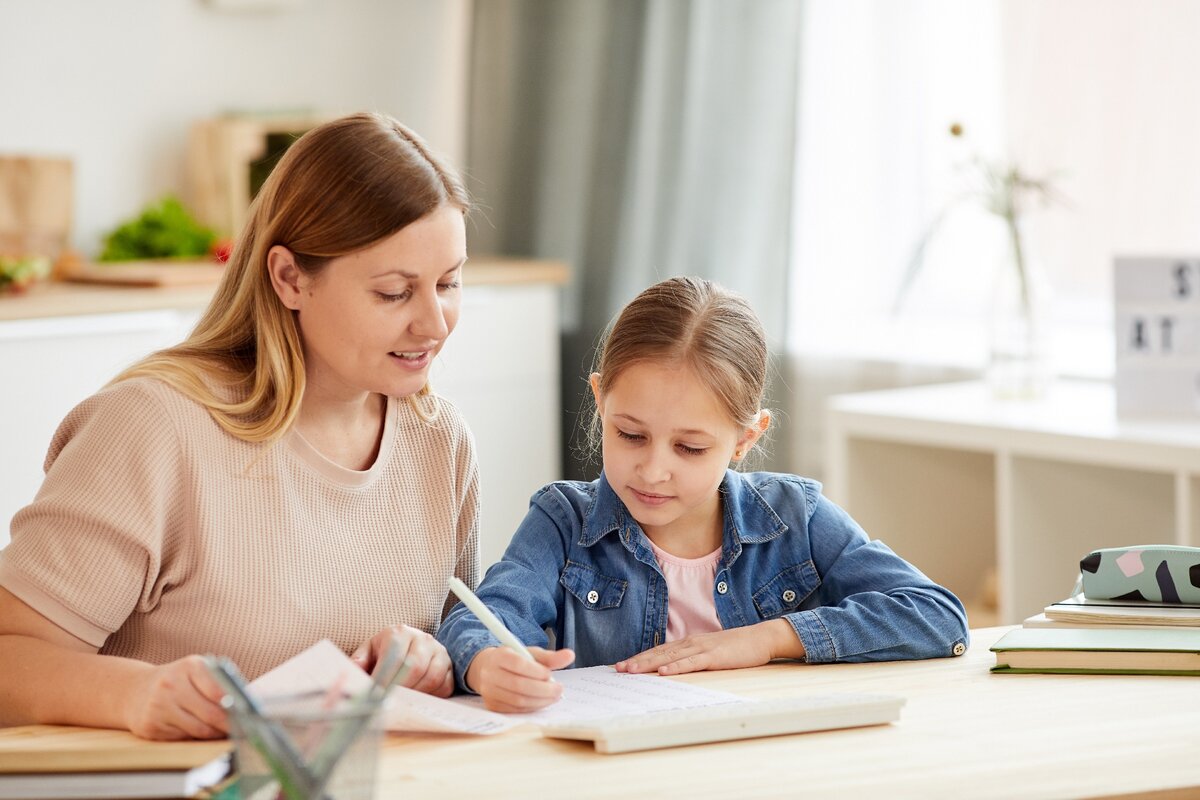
x=592, y=696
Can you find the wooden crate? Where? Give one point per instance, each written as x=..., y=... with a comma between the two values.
x=224, y=153
x=36, y=205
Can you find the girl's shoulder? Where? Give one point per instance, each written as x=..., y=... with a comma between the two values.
x=781, y=490
x=572, y=494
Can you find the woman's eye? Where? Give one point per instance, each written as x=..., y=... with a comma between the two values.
x=392, y=298
x=633, y=437
x=447, y=287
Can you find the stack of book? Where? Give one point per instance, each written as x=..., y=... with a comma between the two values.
x=48, y=761
x=1083, y=635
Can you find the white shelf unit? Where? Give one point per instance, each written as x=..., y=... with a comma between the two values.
x=962, y=484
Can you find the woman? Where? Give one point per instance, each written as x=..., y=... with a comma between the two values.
x=284, y=475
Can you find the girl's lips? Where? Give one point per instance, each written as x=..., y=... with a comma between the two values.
x=650, y=499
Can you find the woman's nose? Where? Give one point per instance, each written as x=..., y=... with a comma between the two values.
x=429, y=317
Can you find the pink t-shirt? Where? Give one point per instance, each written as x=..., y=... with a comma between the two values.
x=690, y=605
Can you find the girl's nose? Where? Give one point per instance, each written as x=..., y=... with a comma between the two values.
x=654, y=467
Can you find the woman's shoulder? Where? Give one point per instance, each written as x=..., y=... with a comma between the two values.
x=432, y=412
x=126, y=415
x=139, y=402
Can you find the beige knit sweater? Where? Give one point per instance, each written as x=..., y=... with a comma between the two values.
x=156, y=534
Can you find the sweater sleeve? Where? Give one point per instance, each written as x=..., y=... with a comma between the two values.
x=88, y=551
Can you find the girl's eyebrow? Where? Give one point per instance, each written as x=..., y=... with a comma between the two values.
x=684, y=431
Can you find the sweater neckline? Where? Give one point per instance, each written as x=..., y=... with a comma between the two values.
x=336, y=473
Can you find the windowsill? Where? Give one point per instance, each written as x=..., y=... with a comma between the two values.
x=1078, y=350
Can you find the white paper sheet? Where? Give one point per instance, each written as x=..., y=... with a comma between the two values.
x=588, y=693
x=595, y=692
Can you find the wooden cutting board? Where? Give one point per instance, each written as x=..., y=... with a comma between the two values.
x=146, y=273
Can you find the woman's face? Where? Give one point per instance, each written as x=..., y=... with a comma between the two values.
x=372, y=321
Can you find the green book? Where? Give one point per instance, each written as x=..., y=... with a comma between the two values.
x=1141, y=651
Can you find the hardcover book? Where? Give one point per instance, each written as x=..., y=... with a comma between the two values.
x=1164, y=651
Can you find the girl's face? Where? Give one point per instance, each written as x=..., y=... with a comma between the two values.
x=666, y=444
x=372, y=321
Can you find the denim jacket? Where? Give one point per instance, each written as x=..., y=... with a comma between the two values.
x=581, y=567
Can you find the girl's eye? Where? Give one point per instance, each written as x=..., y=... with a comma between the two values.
x=692, y=451
x=633, y=437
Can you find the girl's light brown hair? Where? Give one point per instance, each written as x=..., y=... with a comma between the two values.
x=339, y=188
x=698, y=324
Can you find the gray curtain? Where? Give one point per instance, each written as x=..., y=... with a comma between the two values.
x=636, y=140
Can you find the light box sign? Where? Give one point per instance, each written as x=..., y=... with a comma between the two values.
x=1157, y=318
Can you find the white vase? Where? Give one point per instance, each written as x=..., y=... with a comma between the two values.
x=1019, y=366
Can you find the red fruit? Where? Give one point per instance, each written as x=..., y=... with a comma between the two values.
x=222, y=249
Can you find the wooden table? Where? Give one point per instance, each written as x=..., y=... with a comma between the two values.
x=963, y=733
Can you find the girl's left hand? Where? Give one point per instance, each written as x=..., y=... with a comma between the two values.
x=429, y=669
x=750, y=646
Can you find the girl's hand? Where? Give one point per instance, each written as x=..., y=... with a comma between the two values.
x=429, y=667
x=510, y=682
x=750, y=646
x=179, y=700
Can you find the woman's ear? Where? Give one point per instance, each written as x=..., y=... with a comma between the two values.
x=286, y=277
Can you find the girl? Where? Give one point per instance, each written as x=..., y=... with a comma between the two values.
x=671, y=562
x=284, y=475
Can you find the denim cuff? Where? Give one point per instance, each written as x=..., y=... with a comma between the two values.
x=818, y=644
x=465, y=653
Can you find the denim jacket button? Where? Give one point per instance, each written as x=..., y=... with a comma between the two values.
x=722, y=587
x=789, y=596
x=959, y=648
x=593, y=597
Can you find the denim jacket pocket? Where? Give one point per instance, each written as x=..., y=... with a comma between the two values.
x=786, y=591
x=591, y=588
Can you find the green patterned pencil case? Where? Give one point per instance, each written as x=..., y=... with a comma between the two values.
x=1158, y=573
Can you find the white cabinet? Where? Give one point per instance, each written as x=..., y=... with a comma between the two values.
x=964, y=485
x=47, y=366
x=500, y=367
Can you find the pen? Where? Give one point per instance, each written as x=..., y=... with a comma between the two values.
x=276, y=747
x=488, y=618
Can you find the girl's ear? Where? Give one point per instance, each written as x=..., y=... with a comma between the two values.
x=751, y=435
x=594, y=381
x=286, y=277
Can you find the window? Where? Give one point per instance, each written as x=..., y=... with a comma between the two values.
x=1100, y=97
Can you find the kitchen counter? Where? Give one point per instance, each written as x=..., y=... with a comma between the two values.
x=59, y=299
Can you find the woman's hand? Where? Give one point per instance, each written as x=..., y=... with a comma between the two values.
x=750, y=646
x=509, y=682
x=429, y=667
x=179, y=700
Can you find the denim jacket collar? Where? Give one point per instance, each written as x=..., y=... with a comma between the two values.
x=748, y=518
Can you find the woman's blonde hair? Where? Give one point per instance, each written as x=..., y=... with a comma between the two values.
x=698, y=324
x=339, y=188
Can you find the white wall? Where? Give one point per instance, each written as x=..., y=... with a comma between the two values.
x=115, y=84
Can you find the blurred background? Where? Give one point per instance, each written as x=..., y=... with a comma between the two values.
x=798, y=151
